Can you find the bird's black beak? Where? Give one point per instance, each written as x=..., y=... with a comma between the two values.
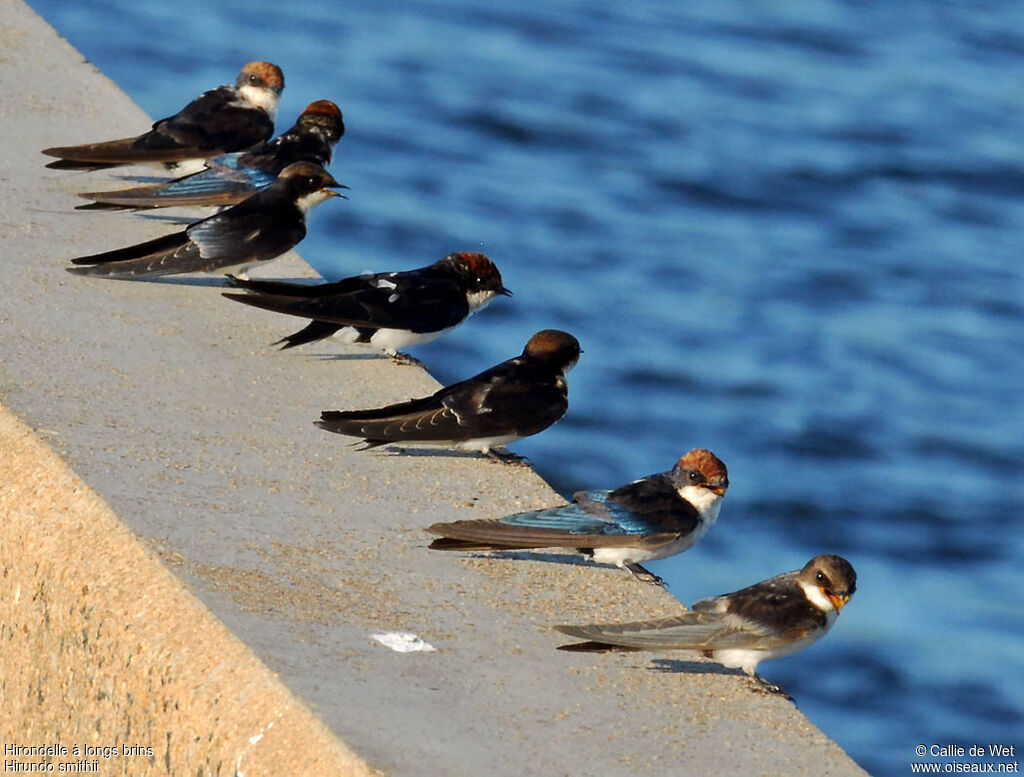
x=505, y=292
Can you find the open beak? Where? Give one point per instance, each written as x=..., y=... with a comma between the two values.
x=837, y=601
x=720, y=490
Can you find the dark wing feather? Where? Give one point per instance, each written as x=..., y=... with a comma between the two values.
x=214, y=122
x=158, y=247
x=304, y=290
x=472, y=409
x=217, y=121
x=418, y=301
x=295, y=145
x=258, y=229
x=421, y=423
x=150, y=147
x=689, y=631
x=494, y=535
x=313, y=331
x=588, y=523
x=255, y=230
x=776, y=600
x=655, y=502
x=510, y=390
x=185, y=258
x=428, y=418
x=219, y=185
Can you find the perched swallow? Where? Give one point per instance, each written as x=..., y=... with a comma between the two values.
x=228, y=118
x=771, y=619
x=388, y=310
x=258, y=229
x=651, y=518
x=230, y=178
x=512, y=400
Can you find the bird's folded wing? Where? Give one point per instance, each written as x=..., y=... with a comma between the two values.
x=217, y=121
x=208, y=187
x=151, y=248
x=689, y=631
x=416, y=420
x=359, y=305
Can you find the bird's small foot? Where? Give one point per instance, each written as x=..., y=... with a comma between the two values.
x=644, y=575
x=506, y=456
x=404, y=360
x=759, y=685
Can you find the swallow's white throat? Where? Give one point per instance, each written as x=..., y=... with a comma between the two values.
x=707, y=502
x=818, y=599
x=307, y=202
x=478, y=299
x=260, y=97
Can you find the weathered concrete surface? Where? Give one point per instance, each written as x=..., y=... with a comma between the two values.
x=104, y=648
x=166, y=400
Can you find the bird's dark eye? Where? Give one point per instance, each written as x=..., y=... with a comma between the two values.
x=820, y=577
x=694, y=476
x=253, y=78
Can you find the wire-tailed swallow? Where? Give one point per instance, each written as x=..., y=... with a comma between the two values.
x=230, y=178
x=388, y=310
x=511, y=400
x=258, y=229
x=648, y=519
x=228, y=118
x=771, y=619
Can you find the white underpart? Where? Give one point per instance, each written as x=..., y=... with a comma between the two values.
x=391, y=341
x=261, y=97
x=184, y=167
x=484, y=444
x=747, y=660
x=180, y=168
x=307, y=202
x=622, y=556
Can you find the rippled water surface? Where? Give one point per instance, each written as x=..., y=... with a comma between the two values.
x=790, y=232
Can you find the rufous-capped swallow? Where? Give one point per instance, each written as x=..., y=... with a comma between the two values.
x=651, y=518
x=258, y=229
x=228, y=118
x=230, y=178
x=771, y=619
x=515, y=399
x=391, y=310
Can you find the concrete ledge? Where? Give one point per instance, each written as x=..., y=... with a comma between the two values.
x=167, y=402
x=103, y=648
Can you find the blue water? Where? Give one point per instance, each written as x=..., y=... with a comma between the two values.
x=790, y=232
